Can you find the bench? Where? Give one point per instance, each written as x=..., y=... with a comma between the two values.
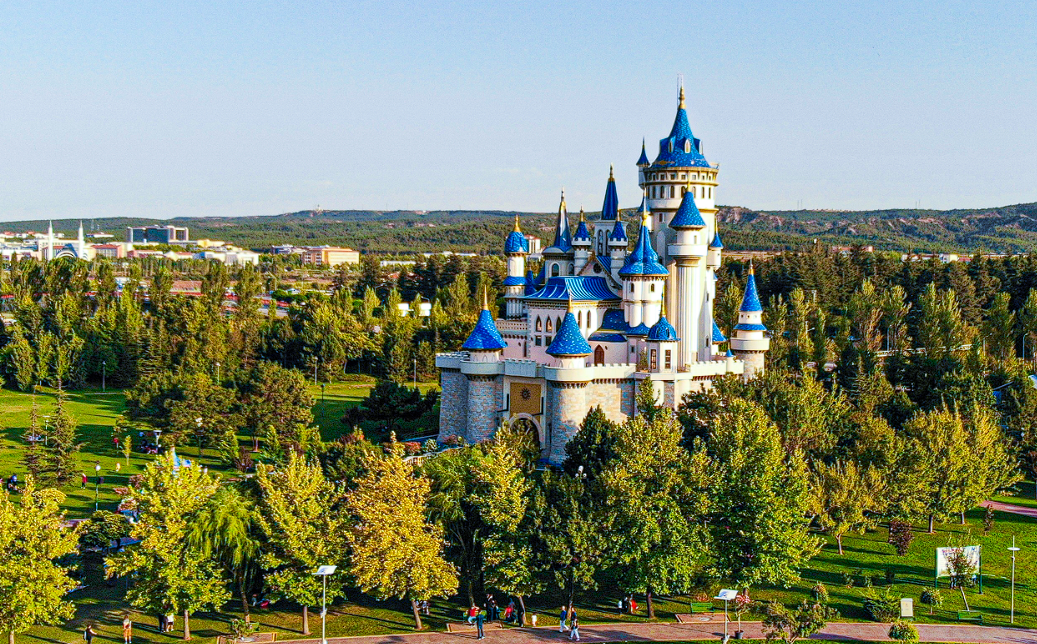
x=702, y=607
x=970, y=616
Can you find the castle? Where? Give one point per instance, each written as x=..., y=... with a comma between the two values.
x=601, y=316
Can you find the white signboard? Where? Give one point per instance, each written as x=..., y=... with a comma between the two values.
x=943, y=555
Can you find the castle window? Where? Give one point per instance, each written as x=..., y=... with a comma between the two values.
x=671, y=192
x=711, y=193
x=673, y=175
x=539, y=326
x=548, y=340
x=653, y=288
x=539, y=340
x=554, y=270
x=666, y=359
x=599, y=355
x=654, y=360
x=559, y=324
x=683, y=176
x=550, y=325
x=579, y=318
x=687, y=146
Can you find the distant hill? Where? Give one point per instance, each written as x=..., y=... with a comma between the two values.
x=1003, y=229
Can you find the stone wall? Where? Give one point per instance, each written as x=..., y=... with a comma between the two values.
x=615, y=397
x=754, y=362
x=453, y=409
x=483, y=403
x=566, y=409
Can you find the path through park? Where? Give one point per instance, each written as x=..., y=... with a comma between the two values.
x=714, y=630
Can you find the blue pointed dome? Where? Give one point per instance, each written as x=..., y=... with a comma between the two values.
x=619, y=232
x=563, y=240
x=531, y=285
x=680, y=149
x=582, y=235
x=751, y=300
x=687, y=215
x=569, y=341
x=718, y=335
x=643, y=260
x=643, y=159
x=729, y=354
x=485, y=336
x=662, y=331
x=610, y=208
x=716, y=243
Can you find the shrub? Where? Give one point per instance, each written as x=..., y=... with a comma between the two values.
x=932, y=598
x=848, y=579
x=988, y=519
x=820, y=593
x=430, y=446
x=891, y=576
x=411, y=448
x=900, y=535
x=901, y=631
x=884, y=605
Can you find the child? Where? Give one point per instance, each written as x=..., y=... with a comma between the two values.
x=574, y=633
x=127, y=630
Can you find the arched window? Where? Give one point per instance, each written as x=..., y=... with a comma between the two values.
x=579, y=318
x=671, y=192
x=554, y=270
x=570, y=269
x=559, y=322
x=599, y=355
x=539, y=325
x=654, y=360
x=550, y=325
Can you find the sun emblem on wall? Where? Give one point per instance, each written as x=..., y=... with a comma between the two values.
x=525, y=393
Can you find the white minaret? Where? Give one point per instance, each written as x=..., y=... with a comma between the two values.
x=81, y=243
x=516, y=247
x=50, y=241
x=643, y=279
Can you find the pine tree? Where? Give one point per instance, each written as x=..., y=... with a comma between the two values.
x=60, y=453
x=33, y=457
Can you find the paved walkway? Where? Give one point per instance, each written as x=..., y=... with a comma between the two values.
x=662, y=632
x=1012, y=508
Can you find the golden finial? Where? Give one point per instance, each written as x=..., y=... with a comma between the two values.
x=611, y=176
x=569, y=308
x=582, y=217
x=517, y=229
x=750, y=267
x=645, y=216
x=682, y=97
x=561, y=206
x=485, y=304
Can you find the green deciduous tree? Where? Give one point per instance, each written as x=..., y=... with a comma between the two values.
x=169, y=572
x=32, y=539
x=396, y=551
x=845, y=497
x=303, y=524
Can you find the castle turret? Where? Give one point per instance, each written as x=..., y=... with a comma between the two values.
x=718, y=339
x=581, y=244
x=569, y=346
x=688, y=253
x=516, y=247
x=715, y=249
x=609, y=215
x=750, y=341
x=558, y=257
x=484, y=346
x=643, y=278
x=642, y=163
x=485, y=343
x=662, y=347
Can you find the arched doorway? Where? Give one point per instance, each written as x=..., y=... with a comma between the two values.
x=599, y=355
x=524, y=424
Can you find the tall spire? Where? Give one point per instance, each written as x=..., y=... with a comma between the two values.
x=563, y=237
x=682, y=97
x=610, y=207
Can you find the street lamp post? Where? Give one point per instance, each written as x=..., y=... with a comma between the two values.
x=217, y=372
x=415, y=373
x=1013, y=550
x=104, y=370
x=322, y=392
x=323, y=573
x=97, y=483
x=726, y=595
x=198, y=433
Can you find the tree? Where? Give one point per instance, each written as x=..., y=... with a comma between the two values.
x=999, y=328
x=226, y=530
x=654, y=497
x=392, y=403
x=61, y=447
x=593, y=446
x=395, y=550
x=788, y=625
x=207, y=411
x=169, y=571
x=32, y=456
x=33, y=584
x=454, y=478
x=503, y=498
x=845, y=498
x=644, y=401
x=1028, y=323
x=568, y=539
x=304, y=527
x=103, y=529
x=759, y=501
x=275, y=400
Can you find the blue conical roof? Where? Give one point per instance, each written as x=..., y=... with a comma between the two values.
x=680, y=149
x=485, y=336
x=643, y=260
x=718, y=335
x=610, y=208
x=662, y=331
x=563, y=236
x=716, y=243
x=569, y=341
x=687, y=215
x=643, y=159
x=531, y=283
x=582, y=235
x=619, y=232
x=751, y=300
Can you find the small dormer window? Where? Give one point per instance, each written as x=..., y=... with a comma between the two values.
x=687, y=146
x=671, y=145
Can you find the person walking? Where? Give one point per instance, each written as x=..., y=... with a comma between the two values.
x=89, y=633
x=561, y=620
x=479, y=620
x=84, y=480
x=127, y=630
x=574, y=627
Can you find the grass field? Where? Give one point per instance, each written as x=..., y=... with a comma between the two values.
x=865, y=555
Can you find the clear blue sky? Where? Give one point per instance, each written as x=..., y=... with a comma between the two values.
x=218, y=108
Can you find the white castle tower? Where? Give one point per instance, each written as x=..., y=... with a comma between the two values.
x=750, y=341
x=516, y=248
